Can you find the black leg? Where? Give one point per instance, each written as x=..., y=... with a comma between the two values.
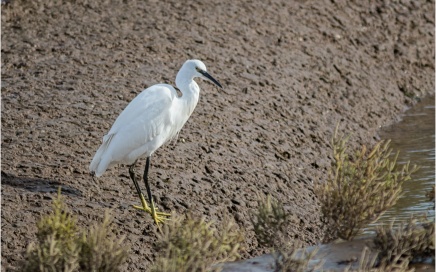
x=158, y=217
x=147, y=166
x=132, y=176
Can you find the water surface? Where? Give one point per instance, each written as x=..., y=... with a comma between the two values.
x=414, y=138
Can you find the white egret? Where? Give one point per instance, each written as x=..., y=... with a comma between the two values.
x=150, y=120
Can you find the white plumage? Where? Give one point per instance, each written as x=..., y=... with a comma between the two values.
x=150, y=120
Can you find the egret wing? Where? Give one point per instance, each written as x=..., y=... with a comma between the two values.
x=132, y=134
x=148, y=103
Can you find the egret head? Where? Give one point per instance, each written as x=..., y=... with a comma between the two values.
x=200, y=70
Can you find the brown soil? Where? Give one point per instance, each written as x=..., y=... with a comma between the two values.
x=291, y=71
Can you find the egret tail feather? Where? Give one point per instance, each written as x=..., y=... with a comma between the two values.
x=99, y=163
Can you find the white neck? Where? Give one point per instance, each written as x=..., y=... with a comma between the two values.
x=190, y=90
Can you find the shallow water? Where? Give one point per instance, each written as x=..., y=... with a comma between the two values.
x=414, y=138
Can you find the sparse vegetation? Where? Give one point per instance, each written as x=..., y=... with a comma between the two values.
x=61, y=247
x=269, y=223
x=100, y=250
x=368, y=263
x=293, y=258
x=190, y=244
x=360, y=187
x=413, y=239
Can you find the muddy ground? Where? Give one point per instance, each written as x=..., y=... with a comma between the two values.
x=291, y=71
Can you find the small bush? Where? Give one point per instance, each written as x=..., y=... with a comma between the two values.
x=412, y=240
x=190, y=244
x=56, y=249
x=292, y=258
x=60, y=223
x=368, y=263
x=100, y=249
x=269, y=222
x=398, y=247
x=360, y=188
x=60, y=247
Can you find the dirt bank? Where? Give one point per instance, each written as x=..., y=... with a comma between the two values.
x=291, y=71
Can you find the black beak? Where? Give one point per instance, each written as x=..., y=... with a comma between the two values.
x=204, y=73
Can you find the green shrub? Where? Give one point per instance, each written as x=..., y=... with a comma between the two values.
x=360, y=188
x=100, y=248
x=368, y=263
x=56, y=249
x=413, y=239
x=270, y=222
x=61, y=247
x=190, y=244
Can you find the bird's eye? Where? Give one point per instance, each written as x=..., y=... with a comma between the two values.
x=198, y=69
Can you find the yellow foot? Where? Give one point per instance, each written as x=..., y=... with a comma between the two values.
x=158, y=217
